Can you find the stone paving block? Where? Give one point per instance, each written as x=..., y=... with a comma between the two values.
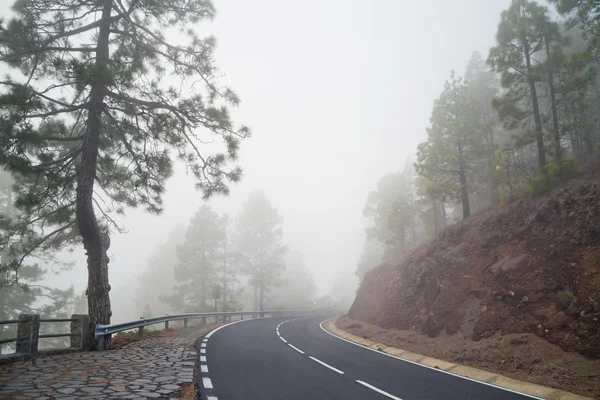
x=153, y=368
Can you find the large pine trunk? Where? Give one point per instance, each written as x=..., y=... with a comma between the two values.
x=539, y=135
x=97, y=262
x=555, y=131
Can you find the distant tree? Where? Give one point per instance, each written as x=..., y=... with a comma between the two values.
x=199, y=259
x=147, y=312
x=157, y=280
x=455, y=144
x=431, y=207
x=105, y=100
x=297, y=290
x=80, y=304
x=369, y=259
x=482, y=84
x=392, y=211
x=259, y=243
x=520, y=37
x=228, y=273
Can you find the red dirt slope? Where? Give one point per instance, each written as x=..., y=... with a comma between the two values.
x=529, y=267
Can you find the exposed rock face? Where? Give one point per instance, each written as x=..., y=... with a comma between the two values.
x=531, y=266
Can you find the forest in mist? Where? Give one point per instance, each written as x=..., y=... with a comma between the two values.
x=103, y=104
x=517, y=122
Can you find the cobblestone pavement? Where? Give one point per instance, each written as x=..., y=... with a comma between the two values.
x=156, y=368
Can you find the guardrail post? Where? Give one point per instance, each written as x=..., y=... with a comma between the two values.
x=141, y=329
x=80, y=326
x=28, y=330
x=185, y=322
x=242, y=316
x=166, y=324
x=203, y=320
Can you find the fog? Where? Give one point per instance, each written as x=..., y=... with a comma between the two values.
x=337, y=93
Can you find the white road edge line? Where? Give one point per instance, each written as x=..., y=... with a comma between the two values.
x=206, y=382
x=365, y=384
x=203, y=344
x=295, y=348
x=202, y=358
x=202, y=351
x=204, y=368
x=211, y=398
x=284, y=341
x=425, y=366
x=326, y=365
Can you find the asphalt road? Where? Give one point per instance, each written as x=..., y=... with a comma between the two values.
x=280, y=359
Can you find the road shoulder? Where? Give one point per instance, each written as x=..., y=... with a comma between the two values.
x=531, y=389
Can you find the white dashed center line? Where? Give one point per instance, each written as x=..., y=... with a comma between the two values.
x=326, y=365
x=295, y=348
x=365, y=384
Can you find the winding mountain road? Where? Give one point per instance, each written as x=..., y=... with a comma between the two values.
x=283, y=358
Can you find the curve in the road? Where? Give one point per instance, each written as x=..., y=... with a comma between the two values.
x=246, y=362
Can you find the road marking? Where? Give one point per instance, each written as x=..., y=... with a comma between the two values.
x=326, y=365
x=365, y=384
x=284, y=341
x=203, y=345
x=202, y=358
x=424, y=366
x=211, y=398
x=202, y=351
x=207, y=382
x=204, y=368
x=295, y=348
x=205, y=340
x=209, y=334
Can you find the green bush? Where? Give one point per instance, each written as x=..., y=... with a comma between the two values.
x=565, y=298
x=554, y=173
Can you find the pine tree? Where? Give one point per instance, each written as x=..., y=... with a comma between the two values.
x=520, y=37
x=158, y=278
x=199, y=263
x=483, y=85
x=91, y=124
x=455, y=144
x=297, y=290
x=259, y=243
x=369, y=259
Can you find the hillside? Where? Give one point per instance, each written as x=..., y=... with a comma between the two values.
x=529, y=267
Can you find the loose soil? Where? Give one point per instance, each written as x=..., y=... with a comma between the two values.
x=525, y=357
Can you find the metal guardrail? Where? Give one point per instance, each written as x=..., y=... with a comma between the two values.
x=102, y=330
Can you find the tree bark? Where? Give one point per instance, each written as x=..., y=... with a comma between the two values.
x=539, y=135
x=494, y=185
x=97, y=262
x=555, y=131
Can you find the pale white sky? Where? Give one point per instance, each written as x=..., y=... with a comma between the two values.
x=337, y=93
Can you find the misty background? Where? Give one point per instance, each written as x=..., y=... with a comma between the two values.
x=337, y=93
